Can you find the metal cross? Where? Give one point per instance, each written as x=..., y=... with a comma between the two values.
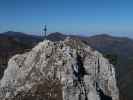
x=45, y=31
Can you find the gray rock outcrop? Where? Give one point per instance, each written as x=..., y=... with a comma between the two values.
x=69, y=69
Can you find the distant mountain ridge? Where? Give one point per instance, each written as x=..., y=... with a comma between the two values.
x=21, y=36
x=120, y=46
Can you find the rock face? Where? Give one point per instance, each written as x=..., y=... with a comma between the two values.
x=64, y=70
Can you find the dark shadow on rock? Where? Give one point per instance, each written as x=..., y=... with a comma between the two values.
x=103, y=96
x=81, y=68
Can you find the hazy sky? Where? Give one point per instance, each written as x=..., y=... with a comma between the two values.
x=68, y=16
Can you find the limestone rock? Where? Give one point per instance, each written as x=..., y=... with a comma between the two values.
x=64, y=70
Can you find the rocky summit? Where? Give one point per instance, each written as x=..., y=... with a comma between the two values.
x=63, y=70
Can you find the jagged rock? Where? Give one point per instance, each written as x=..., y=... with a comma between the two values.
x=64, y=70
